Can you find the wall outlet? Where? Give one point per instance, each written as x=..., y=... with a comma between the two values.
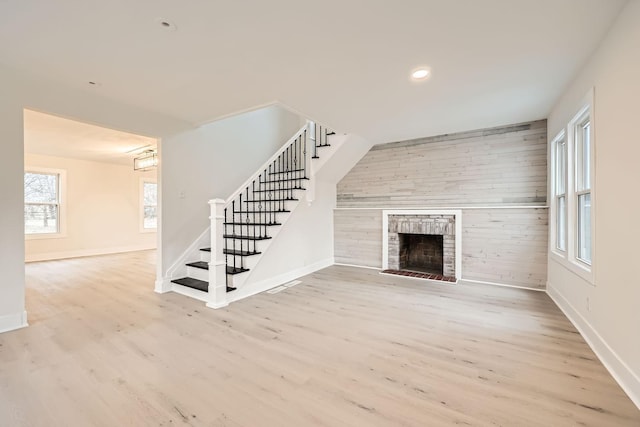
x=182, y=194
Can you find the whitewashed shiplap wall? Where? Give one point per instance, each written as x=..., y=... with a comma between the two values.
x=496, y=176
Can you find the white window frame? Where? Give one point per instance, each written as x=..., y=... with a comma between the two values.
x=62, y=203
x=141, y=192
x=553, y=220
x=570, y=258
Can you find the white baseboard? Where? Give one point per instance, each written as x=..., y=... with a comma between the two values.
x=357, y=266
x=49, y=256
x=265, y=285
x=504, y=285
x=14, y=321
x=163, y=285
x=626, y=378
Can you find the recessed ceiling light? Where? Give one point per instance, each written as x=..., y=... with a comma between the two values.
x=165, y=24
x=420, y=73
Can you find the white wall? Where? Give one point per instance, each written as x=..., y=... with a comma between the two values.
x=90, y=106
x=212, y=162
x=612, y=323
x=12, y=314
x=101, y=208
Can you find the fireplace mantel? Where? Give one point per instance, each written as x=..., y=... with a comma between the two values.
x=456, y=214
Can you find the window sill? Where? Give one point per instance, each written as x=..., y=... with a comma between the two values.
x=576, y=267
x=148, y=230
x=45, y=236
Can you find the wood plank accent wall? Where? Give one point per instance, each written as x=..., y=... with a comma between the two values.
x=490, y=167
x=496, y=176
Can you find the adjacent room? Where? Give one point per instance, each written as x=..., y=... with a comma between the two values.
x=417, y=213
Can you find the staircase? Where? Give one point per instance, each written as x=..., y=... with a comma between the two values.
x=244, y=223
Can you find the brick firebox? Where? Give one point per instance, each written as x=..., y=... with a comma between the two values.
x=436, y=224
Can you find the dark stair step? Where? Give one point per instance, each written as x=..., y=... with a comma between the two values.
x=199, y=264
x=192, y=283
x=289, y=171
x=239, y=237
x=273, y=190
x=282, y=180
x=256, y=224
x=270, y=200
x=323, y=145
x=236, y=270
x=264, y=212
x=200, y=285
x=239, y=252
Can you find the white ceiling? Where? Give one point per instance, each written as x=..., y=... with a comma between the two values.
x=55, y=136
x=343, y=62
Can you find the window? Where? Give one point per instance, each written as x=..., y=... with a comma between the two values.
x=560, y=191
x=571, y=214
x=583, y=188
x=149, y=205
x=41, y=203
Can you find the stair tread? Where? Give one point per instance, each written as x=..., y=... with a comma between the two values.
x=278, y=189
x=199, y=285
x=289, y=171
x=270, y=224
x=190, y=282
x=199, y=264
x=239, y=237
x=283, y=180
x=236, y=270
x=240, y=253
x=243, y=212
x=323, y=145
x=270, y=200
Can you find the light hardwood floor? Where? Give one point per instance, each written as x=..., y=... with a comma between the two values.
x=346, y=347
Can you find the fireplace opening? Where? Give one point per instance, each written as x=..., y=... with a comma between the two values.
x=422, y=252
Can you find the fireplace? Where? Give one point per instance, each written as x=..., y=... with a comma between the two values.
x=421, y=252
x=422, y=243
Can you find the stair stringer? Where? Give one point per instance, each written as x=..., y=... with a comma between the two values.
x=304, y=242
x=192, y=253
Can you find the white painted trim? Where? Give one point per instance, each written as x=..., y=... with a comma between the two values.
x=189, y=254
x=14, y=321
x=49, y=256
x=375, y=208
x=358, y=266
x=272, y=282
x=62, y=203
x=457, y=214
x=190, y=292
x=163, y=285
x=145, y=180
x=503, y=285
x=628, y=380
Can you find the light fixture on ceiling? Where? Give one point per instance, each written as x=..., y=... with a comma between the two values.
x=145, y=161
x=94, y=83
x=420, y=74
x=167, y=25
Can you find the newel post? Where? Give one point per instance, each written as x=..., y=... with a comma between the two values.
x=217, y=264
x=310, y=153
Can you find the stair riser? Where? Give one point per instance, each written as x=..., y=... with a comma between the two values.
x=198, y=273
x=205, y=256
